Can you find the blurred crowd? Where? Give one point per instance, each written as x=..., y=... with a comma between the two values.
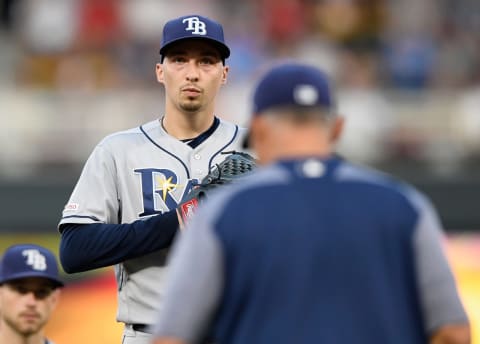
x=365, y=43
x=408, y=71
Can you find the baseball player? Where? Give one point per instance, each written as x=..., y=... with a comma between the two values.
x=310, y=248
x=123, y=210
x=29, y=292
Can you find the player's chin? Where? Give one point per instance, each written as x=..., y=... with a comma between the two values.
x=191, y=106
x=29, y=328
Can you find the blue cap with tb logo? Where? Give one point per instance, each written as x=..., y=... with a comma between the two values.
x=28, y=260
x=196, y=27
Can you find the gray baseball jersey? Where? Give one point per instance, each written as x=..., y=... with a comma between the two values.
x=136, y=174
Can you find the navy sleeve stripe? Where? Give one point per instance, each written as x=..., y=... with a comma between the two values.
x=81, y=217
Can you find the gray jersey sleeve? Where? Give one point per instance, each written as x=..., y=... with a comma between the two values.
x=95, y=197
x=194, y=283
x=440, y=300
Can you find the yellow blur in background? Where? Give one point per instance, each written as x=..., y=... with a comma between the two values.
x=464, y=255
x=86, y=313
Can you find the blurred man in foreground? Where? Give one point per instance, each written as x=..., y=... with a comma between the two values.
x=310, y=248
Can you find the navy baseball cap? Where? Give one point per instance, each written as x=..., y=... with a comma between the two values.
x=196, y=27
x=292, y=84
x=28, y=260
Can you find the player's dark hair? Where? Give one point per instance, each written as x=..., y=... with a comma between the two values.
x=301, y=114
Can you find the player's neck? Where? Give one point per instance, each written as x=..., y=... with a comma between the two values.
x=186, y=126
x=296, y=148
x=7, y=335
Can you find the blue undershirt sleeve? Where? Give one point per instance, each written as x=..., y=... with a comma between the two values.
x=90, y=246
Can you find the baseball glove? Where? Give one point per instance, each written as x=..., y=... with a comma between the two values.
x=235, y=165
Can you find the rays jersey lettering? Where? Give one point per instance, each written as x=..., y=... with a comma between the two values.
x=159, y=184
x=195, y=25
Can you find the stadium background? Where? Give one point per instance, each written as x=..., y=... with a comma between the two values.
x=72, y=71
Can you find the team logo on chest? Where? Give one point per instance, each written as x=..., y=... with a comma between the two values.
x=195, y=25
x=158, y=188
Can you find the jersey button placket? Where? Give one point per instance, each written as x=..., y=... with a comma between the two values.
x=196, y=164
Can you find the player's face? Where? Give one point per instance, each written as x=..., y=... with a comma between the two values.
x=26, y=304
x=192, y=73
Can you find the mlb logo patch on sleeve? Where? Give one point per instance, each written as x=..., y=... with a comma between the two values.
x=71, y=206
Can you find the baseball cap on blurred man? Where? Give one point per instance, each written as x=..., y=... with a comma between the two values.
x=289, y=85
x=29, y=260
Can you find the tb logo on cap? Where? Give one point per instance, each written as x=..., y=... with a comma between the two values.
x=195, y=25
x=35, y=259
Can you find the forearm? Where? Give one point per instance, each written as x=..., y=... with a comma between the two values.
x=452, y=334
x=91, y=246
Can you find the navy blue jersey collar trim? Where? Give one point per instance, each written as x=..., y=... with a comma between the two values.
x=166, y=151
x=221, y=149
x=205, y=135
x=331, y=162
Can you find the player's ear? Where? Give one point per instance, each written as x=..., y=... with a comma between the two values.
x=337, y=129
x=159, y=72
x=225, y=73
x=55, y=297
x=259, y=139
